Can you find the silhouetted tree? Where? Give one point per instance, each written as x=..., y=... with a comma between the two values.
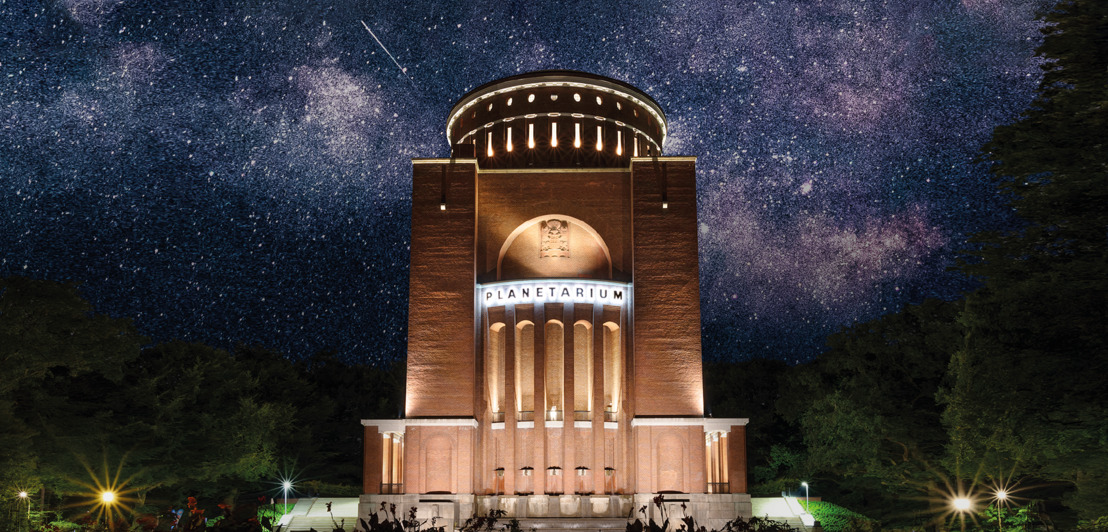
x=1027, y=393
x=49, y=333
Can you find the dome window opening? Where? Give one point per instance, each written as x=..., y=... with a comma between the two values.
x=489, y=145
x=571, y=96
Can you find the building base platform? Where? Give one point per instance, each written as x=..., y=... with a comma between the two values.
x=555, y=513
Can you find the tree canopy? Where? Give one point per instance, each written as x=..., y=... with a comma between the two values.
x=1027, y=390
x=82, y=400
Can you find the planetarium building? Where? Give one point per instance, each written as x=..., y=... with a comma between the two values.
x=554, y=365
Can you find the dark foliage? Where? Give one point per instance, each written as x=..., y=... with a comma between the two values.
x=80, y=397
x=1027, y=392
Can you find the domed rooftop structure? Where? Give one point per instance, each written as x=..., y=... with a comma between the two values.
x=556, y=119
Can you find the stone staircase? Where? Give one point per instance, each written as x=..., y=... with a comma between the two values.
x=309, y=514
x=582, y=524
x=777, y=509
x=320, y=524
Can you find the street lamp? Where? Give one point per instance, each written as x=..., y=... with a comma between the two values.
x=286, y=485
x=806, y=502
x=961, y=504
x=107, y=497
x=23, y=495
x=1001, y=496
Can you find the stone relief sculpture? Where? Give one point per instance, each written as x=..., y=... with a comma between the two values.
x=554, y=238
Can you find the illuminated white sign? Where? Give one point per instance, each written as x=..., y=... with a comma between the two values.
x=596, y=292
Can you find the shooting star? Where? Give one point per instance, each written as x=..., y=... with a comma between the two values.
x=394, y=61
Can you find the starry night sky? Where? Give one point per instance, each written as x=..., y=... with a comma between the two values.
x=239, y=171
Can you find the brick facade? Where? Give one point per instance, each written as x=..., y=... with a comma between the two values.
x=554, y=314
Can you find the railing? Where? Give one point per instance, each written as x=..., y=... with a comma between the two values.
x=496, y=417
x=391, y=489
x=610, y=416
x=582, y=415
x=719, y=487
x=526, y=415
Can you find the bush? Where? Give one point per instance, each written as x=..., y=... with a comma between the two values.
x=64, y=526
x=773, y=488
x=323, y=489
x=835, y=518
x=1099, y=524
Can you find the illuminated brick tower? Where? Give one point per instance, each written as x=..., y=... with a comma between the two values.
x=554, y=365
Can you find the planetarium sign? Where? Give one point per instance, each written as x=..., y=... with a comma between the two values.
x=554, y=291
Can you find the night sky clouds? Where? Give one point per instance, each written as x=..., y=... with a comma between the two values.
x=237, y=172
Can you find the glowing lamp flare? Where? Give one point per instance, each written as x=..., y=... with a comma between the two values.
x=961, y=504
x=107, y=497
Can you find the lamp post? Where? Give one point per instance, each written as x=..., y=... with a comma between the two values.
x=285, y=487
x=1001, y=496
x=23, y=495
x=107, y=499
x=806, y=502
x=962, y=505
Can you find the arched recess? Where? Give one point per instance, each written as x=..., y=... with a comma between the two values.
x=613, y=367
x=582, y=370
x=525, y=370
x=494, y=367
x=555, y=368
x=534, y=222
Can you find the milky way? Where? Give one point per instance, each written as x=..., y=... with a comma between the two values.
x=239, y=172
